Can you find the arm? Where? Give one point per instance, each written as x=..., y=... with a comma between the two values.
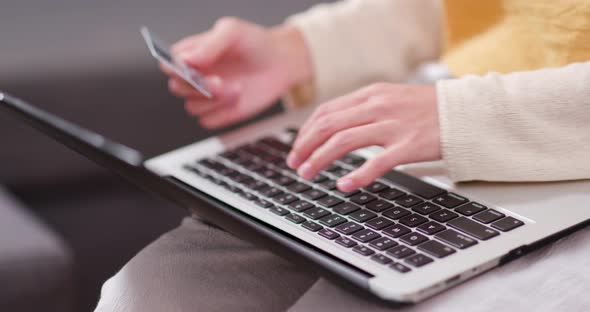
x=526, y=126
x=354, y=43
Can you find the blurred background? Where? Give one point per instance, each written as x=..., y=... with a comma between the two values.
x=67, y=225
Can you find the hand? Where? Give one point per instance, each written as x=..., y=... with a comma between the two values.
x=247, y=67
x=401, y=118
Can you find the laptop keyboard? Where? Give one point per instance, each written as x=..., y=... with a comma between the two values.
x=398, y=221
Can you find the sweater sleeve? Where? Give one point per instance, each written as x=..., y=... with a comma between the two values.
x=524, y=126
x=356, y=42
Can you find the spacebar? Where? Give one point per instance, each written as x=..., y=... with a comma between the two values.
x=413, y=184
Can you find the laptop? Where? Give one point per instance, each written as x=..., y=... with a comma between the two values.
x=404, y=238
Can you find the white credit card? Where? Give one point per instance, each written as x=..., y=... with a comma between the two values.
x=161, y=52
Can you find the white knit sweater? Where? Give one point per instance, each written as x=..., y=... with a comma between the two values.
x=524, y=126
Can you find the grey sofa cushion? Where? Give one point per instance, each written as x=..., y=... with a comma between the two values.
x=35, y=265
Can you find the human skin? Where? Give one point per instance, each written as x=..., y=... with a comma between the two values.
x=247, y=67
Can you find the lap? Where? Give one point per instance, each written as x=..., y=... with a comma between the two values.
x=199, y=267
x=554, y=278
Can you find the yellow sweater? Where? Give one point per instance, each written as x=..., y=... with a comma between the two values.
x=515, y=35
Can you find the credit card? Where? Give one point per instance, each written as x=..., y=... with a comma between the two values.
x=161, y=51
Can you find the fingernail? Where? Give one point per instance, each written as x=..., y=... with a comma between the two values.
x=292, y=161
x=305, y=171
x=346, y=185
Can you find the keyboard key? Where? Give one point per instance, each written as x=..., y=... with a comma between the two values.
x=379, y=258
x=456, y=239
x=276, y=144
x=413, y=238
x=213, y=179
x=376, y=187
x=346, y=208
x=507, y=224
x=297, y=219
x=341, y=172
x=400, y=252
x=408, y=201
x=383, y=243
x=312, y=226
x=330, y=201
x=346, y=242
x=443, y=215
x=298, y=187
x=249, y=196
x=285, y=199
x=396, y=213
x=352, y=160
x=329, y=234
x=319, y=178
x=365, y=235
x=271, y=192
x=473, y=228
x=379, y=205
x=400, y=267
x=263, y=203
x=349, y=228
x=418, y=260
x=379, y=223
x=392, y=194
x=269, y=173
x=470, y=209
x=279, y=210
x=346, y=194
x=363, y=250
x=225, y=171
x=362, y=215
x=413, y=184
x=436, y=249
x=332, y=168
x=413, y=220
x=241, y=178
x=283, y=180
x=193, y=169
x=450, y=200
x=233, y=188
x=332, y=220
x=229, y=155
x=243, y=161
x=431, y=228
x=301, y=205
x=210, y=163
x=284, y=166
x=395, y=230
x=314, y=194
x=256, y=185
x=362, y=198
x=316, y=213
x=425, y=208
x=488, y=216
x=328, y=185
x=254, y=167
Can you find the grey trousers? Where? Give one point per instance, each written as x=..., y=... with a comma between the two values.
x=196, y=267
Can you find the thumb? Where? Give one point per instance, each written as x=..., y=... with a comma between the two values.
x=224, y=34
